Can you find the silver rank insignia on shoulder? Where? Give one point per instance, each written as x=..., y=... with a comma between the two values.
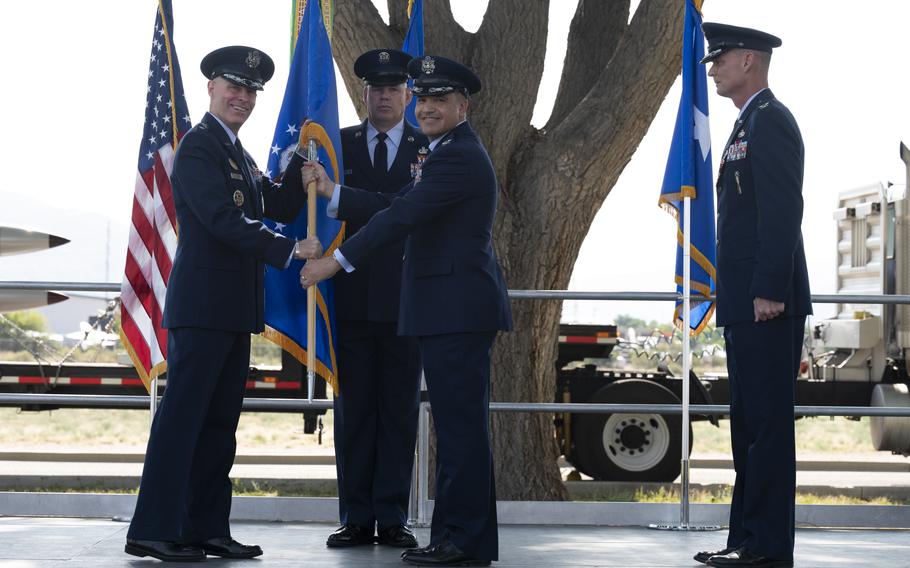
x=233, y=164
x=764, y=104
x=358, y=134
x=449, y=141
x=410, y=139
x=238, y=198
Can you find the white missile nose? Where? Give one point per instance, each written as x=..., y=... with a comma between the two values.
x=14, y=240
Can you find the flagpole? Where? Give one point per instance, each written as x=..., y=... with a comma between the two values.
x=687, y=292
x=311, y=291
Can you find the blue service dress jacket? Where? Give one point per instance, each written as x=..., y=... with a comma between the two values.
x=760, y=205
x=220, y=198
x=451, y=280
x=371, y=292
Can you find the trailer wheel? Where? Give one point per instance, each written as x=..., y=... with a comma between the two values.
x=630, y=447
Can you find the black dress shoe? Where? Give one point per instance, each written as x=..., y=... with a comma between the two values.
x=443, y=554
x=398, y=536
x=742, y=557
x=350, y=535
x=226, y=547
x=704, y=555
x=417, y=550
x=163, y=550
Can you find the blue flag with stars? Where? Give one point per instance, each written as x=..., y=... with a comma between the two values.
x=413, y=46
x=689, y=174
x=309, y=94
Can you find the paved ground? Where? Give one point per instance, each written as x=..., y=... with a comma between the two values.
x=84, y=543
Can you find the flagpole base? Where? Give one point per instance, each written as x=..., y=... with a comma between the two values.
x=683, y=527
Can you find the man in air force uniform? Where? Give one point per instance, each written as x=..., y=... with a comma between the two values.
x=453, y=299
x=762, y=295
x=214, y=302
x=378, y=370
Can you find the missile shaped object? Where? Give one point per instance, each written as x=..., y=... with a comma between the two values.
x=15, y=300
x=17, y=241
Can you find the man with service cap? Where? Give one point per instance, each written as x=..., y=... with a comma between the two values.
x=453, y=299
x=214, y=301
x=762, y=295
x=378, y=370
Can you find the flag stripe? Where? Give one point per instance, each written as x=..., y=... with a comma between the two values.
x=153, y=229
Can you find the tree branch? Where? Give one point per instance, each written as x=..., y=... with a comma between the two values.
x=572, y=168
x=398, y=16
x=596, y=30
x=646, y=63
x=508, y=53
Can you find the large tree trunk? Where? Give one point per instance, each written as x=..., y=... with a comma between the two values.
x=553, y=180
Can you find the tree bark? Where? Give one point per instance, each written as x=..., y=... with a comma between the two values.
x=553, y=181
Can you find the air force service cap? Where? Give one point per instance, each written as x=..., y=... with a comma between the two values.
x=382, y=67
x=244, y=66
x=723, y=37
x=436, y=76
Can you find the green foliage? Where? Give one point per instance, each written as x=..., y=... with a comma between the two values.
x=29, y=320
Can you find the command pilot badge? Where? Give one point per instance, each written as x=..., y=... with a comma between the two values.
x=238, y=198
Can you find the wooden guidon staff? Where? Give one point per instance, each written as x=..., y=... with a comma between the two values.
x=313, y=135
x=312, y=156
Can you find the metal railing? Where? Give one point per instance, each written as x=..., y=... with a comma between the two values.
x=301, y=405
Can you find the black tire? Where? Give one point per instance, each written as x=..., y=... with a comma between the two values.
x=638, y=447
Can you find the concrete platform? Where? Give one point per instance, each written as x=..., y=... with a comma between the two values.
x=84, y=543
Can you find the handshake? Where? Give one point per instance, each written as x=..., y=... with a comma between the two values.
x=316, y=268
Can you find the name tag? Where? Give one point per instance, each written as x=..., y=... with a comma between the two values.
x=236, y=176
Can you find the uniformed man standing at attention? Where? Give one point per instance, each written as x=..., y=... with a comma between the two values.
x=214, y=302
x=453, y=299
x=378, y=370
x=762, y=295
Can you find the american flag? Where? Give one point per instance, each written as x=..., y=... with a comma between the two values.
x=153, y=230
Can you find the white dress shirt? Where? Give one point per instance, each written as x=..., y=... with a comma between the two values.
x=393, y=142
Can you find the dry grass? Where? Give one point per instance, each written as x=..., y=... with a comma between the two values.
x=127, y=430
x=813, y=435
x=277, y=432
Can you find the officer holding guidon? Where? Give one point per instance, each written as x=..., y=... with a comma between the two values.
x=453, y=299
x=762, y=295
x=214, y=302
x=378, y=370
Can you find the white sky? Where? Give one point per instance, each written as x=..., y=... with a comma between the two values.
x=74, y=101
